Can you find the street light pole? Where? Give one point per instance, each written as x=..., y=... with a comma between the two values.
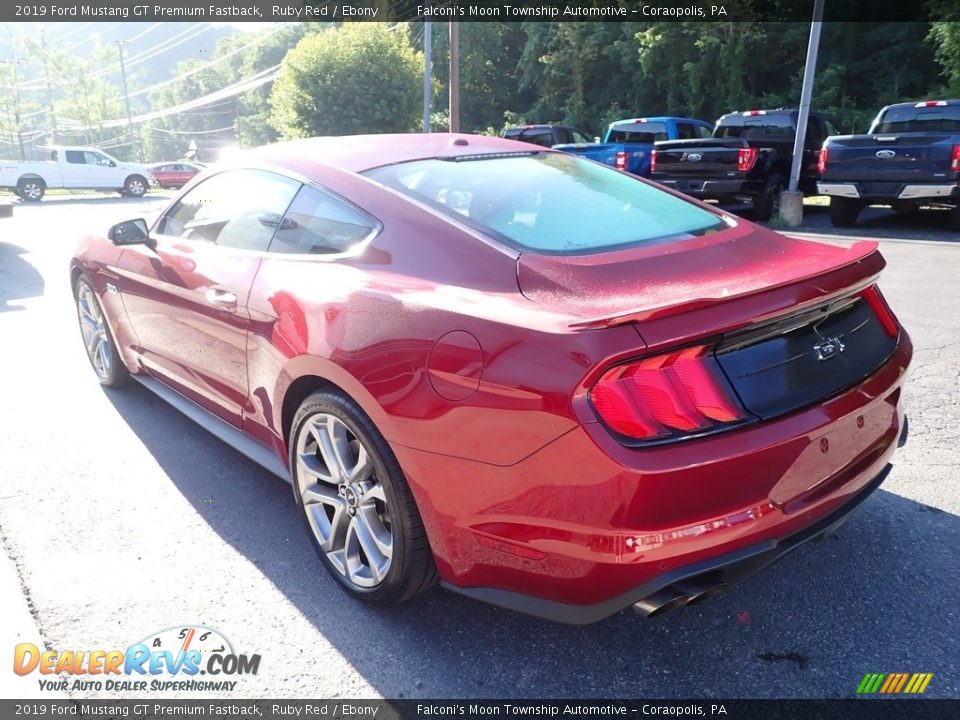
x=427, y=72
x=454, y=77
x=16, y=103
x=126, y=99
x=791, y=201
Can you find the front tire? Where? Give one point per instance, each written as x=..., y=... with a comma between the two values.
x=97, y=340
x=135, y=187
x=31, y=189
x=355, y=501
x=844, y=211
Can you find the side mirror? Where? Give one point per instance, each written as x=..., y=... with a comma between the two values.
x=111, y=163
x=131, y=232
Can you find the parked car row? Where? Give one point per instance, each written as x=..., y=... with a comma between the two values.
x=909, y=157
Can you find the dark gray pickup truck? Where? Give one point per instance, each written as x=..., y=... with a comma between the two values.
x=909, y=157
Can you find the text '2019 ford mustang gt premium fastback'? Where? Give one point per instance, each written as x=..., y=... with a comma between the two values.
x=548, y=384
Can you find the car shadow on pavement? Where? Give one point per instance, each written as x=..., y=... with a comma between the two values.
x=878, y=596
x=928, y=224
x=18, y=278
x=90, y=200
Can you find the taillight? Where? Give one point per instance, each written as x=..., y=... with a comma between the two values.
x=746, y=159
x=653, y=160
x=883, y=312
x=668, y=396
x=931, y=103
x=822, y=160
x=621, y=160
x=955, y=158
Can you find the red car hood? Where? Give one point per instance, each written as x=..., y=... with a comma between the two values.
x=660, y=280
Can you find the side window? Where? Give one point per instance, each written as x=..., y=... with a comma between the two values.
x=685, y=131
x=319, y=223
x=93, y=158
x=832, y=129
x=237, y=208
x=579, y=137
x=76, y=157
x=704, y=131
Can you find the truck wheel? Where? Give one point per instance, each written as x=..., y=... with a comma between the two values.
x=135, y=186
x=31, y=189
x=844, y=211
x=769, y=201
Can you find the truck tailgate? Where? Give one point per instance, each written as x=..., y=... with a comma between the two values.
x=698, y=158
x=910, y=157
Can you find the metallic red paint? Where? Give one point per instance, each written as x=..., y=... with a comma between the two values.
x=475, y=362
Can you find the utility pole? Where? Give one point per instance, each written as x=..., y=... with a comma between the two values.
x=791, y=201
x=454, y=77
x=46, y=77
x=126, y=99
x=427, y=72
x=16, y=102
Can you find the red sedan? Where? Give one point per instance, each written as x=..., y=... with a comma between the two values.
x=545, y=383
x=174, y=174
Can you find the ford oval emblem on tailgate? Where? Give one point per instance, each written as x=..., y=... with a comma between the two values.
x=885, y=154
x=694, y=157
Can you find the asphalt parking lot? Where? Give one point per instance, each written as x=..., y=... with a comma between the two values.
x=121, y=517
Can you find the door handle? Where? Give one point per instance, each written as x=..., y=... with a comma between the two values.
x=223, y=298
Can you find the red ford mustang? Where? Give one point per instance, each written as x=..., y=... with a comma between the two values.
x=545, y=383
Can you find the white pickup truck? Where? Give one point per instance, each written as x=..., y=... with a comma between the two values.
x=81, y=168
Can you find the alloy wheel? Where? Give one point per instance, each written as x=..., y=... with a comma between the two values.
x=94, y=330
x=136, y=188
x=32, y=190
x=344, y=502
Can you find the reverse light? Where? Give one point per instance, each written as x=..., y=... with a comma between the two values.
x=746, y=159
x=955, y=158
x=883, y=312
x=621, y=160
x=822, y=160
x=667, y=396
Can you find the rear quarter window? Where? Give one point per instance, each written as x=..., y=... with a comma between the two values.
x=550, y=203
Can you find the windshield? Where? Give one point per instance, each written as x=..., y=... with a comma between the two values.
x=914, y=119
x=549, y=202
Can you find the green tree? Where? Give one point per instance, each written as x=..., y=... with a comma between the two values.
x=356, y=78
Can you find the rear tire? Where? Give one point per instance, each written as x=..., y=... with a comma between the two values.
x=97, y=339
x=357, y=506
x=31, y=189
x=769, y=201
x=844, y=211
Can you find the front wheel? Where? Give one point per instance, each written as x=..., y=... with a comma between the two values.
x=356, y=503
x=844, y=211
x=101, y=350
x=135, y=186
x=768, y=203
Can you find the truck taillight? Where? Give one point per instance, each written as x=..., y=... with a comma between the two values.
x=668, y=396
x=955, y=158
x=653, y=160
x=822, y=160
x=621, y=160
x=746, y=158
x=880, y=308
x=753, y=113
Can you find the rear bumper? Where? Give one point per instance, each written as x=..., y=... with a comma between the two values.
x=724, y=571
x=893, y=191
x=711, y=189
x=585, y=526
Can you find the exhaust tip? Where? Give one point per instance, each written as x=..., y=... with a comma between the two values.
x=661, y=602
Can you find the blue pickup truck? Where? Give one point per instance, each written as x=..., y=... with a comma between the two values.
x=909, y=157
x=628, y=143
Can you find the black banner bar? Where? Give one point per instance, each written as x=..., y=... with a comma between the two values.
x=876, y=708
x=478, y=11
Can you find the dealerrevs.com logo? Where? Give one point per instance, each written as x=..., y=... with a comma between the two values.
x=174, y=658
